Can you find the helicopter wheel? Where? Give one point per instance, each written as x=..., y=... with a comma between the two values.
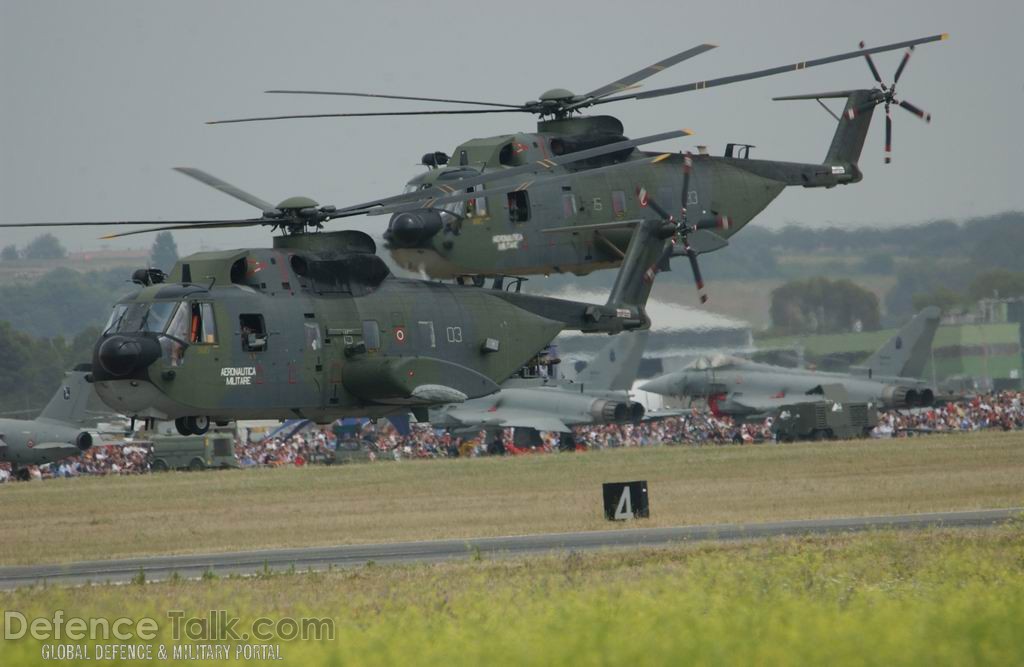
x=182, y=426
x=198, y=425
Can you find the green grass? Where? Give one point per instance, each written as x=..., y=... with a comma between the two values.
x=886, y=598
x=95, y=518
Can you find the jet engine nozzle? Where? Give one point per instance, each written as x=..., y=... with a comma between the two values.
x=907, y=397
x=411, y=229
x=83, y=441
x=120, y=356
x=610, y=411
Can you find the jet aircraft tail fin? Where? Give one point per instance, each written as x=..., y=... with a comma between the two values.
x=616, y=364
x=906, y=353
x=70, y=405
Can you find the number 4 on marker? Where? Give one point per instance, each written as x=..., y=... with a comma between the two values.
x=624, y=510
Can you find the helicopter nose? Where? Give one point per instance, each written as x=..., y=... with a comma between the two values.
x=411, y=229
x=120, y=356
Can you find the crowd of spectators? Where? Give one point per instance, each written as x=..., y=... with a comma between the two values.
x=381, y=440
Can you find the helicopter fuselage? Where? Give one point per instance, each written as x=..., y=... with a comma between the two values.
x=305, y=331
x=553, y=226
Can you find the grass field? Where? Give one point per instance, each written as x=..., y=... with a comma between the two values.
x=94, y=518
x=887, y=598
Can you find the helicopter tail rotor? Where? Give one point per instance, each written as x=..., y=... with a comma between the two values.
x=886, y=94
x=683, y=230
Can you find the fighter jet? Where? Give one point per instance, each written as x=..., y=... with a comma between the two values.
x=598, y=395
x=56, y=433
x=746, y=389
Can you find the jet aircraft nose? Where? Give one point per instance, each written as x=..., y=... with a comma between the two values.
x=120, y=356
x=664, y=385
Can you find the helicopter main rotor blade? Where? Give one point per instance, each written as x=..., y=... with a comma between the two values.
x=182, y=224
x=214, y=224
x=700, y=85
x=630, y=79
x=393, y=97
x=450, y=187
x=230, y=190
x=370, y=113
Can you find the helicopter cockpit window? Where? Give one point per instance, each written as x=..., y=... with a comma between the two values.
x=178, y=328
x=172, y=344
x=456, y=208
x=137, y=317
x=254, y=332
x=115, y=318
x=519, y=206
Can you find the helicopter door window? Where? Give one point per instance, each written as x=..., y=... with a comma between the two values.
x=519, y=206
x=371, y=335
x=476, y=207
x=568, y=205
x=254, y=332
x=203, y=328
x=619, y=203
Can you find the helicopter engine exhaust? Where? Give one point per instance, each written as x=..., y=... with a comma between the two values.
x=411, y=229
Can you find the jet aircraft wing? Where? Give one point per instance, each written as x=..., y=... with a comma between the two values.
x=509, y=418
x=42, y=446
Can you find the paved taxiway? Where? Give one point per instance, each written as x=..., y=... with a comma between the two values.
x=319, y=558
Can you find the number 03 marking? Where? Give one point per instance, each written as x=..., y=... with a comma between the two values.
x=454, y=334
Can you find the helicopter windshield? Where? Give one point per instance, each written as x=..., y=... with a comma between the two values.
x=136, y=317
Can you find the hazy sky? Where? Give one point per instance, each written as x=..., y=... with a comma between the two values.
x=102, y=98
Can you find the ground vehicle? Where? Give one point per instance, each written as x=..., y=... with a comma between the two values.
x=193, y=452
x=832, y=417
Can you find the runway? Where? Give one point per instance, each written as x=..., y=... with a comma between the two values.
x=320, y=558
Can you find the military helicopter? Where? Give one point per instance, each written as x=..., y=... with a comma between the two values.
x=452, y=220
x=318, y=328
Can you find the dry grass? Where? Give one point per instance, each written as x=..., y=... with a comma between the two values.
x=68, y=520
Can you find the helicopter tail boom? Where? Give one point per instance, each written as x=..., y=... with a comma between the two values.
x=649, y=247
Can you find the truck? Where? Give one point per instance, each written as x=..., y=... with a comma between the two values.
x=193, y=452
x=828, y=418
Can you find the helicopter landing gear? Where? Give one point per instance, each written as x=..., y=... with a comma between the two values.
x=192, y=425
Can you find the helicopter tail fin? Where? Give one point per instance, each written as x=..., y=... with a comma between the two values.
x=848, y=140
